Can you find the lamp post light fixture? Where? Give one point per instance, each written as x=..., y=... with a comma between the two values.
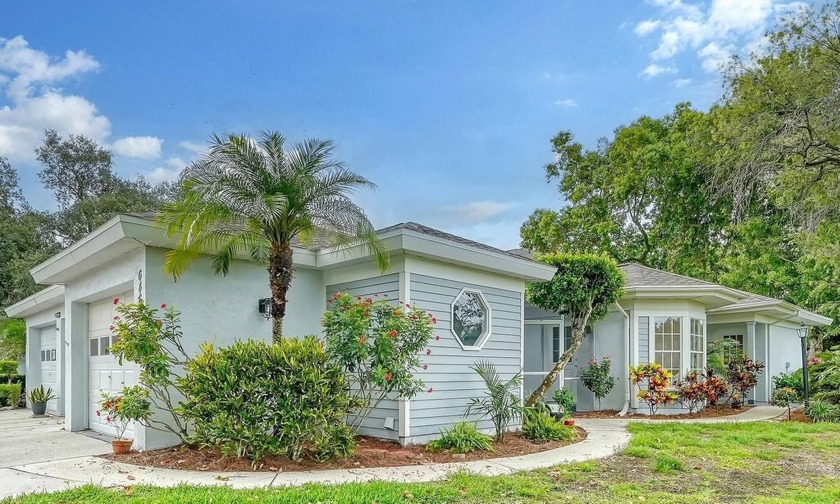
x=803, y=338
x=264, y=307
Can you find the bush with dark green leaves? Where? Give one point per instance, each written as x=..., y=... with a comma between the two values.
x=541, y=427
x=8, y=367
x=785, y=397
x=790, y=380
x=255, y=399
x=10, y=394
x=463, y=437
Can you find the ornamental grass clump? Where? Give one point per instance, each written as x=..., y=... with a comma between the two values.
x=463, y=437
x=255, y=399
x=542, y=427
x=376, y=344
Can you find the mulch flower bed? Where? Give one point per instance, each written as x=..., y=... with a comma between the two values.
x=370, y=452
x=707, y=412
x=796, y=416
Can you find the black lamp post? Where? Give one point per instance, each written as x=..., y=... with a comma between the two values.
x=803, y=338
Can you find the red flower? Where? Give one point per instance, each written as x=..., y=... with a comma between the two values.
x=388, y=376
x=116, y=318
x=392, y=333
x=437, y=337
x=431, y=390
x=425, y=367
x=111, y=328
x=98, y=413
x=163, y=306
x=116, y=300
x=428, y=351
x=107, y=419
x=358, y=298
x=434, y=320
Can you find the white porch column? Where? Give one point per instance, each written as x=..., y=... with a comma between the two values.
x=750, y=352
x=33, y=360
x=60, y=354
x=75, y=367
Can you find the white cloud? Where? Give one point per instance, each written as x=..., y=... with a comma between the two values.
x=32, y=101
x=654, y=70
x=193, y=147
x=174, y=166
x=713, y=31
x=566, y=103
x=678, y=83
x=646, y=27
x=474, y=212
x=142, y=147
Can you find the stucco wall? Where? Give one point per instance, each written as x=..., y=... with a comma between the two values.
x=379, y=287
x=34, y=323
x=448, y=374
x=785, y=347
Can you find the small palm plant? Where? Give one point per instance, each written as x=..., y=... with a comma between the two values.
x=501, y=402
x=255, y=198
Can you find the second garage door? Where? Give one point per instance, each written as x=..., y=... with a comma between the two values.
x=105, y=375
x=48, y=370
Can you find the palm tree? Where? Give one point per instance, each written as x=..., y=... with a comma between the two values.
x=254, y=198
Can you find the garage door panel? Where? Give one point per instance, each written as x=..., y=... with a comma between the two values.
x=104, y=372
x=47, y=365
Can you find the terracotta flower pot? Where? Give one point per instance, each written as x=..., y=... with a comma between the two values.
x=569, y=421
x=121, y=446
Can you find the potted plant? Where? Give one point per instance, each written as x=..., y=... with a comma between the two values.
x=131, y=405
x=38, y=398
x=566, y=401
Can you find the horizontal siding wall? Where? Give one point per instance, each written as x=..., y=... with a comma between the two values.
x=644, y=340
x=449, y=375
x=382, y=287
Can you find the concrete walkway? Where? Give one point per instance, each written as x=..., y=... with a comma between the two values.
x=605, y=437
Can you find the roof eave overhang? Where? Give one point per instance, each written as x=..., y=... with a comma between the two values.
x=117, y=237
x=408, y=242
x=780, y=310
x=50, y=297
x=711, y=296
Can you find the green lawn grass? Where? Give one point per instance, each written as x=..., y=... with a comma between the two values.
x=665, y=462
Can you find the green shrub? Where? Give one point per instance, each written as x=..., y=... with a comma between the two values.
x=463, y=437
x=255, y=399
x=784, y=397
x=500, y=402
x=377, y=345
x=13, y=378
x=12, y=340
x=597, y=378
x=540, y=427
x=8, y=367
x=10, y=394
x=790, y=380
x=821, y=411
x=566, y=400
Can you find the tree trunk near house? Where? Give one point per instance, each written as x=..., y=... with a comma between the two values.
x=279, y=279
x=578, y=333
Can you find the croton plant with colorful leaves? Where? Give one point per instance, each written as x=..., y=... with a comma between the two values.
x=654, y=384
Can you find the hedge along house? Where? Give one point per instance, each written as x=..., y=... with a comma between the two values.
x=476, y=293
x=669, y=319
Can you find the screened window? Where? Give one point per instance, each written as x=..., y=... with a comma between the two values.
x=470, y=318
x=667, y=334
x=734, y=349
x=698, y=344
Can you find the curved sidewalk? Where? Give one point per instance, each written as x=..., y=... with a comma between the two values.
x=605, y=437
x=603, y=440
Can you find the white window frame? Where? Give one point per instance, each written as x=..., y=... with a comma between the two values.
x=485, y=336
x=691, y=338
x=677, y=374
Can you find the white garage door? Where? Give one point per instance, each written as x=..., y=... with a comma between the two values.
x=104, y=372
x=48, y=363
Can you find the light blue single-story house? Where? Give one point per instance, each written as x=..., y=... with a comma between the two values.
x=475, y=291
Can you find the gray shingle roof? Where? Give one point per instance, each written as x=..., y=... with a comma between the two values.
x=420, y=228
x=642, y=276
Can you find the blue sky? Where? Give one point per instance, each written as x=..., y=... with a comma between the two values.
x=448, y=106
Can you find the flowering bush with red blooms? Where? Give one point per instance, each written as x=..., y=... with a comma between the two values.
x=653, y=381
x=131, y=405
x=713, y=387
x=151, y=338
x=690, y=391
x=377, y=345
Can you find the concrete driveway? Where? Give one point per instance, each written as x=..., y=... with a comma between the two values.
x=25, y=440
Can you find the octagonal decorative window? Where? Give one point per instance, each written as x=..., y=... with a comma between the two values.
x=470, y=319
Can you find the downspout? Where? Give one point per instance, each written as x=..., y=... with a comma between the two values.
x=627, y=362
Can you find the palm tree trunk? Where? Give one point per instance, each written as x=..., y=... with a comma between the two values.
x=279, y=279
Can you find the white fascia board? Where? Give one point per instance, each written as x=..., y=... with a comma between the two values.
x=117, y=237
x=776, y=308
x=50, y=297
x=422, y=245
x=721, y=294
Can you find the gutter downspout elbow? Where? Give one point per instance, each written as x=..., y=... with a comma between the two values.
x=626, y=408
